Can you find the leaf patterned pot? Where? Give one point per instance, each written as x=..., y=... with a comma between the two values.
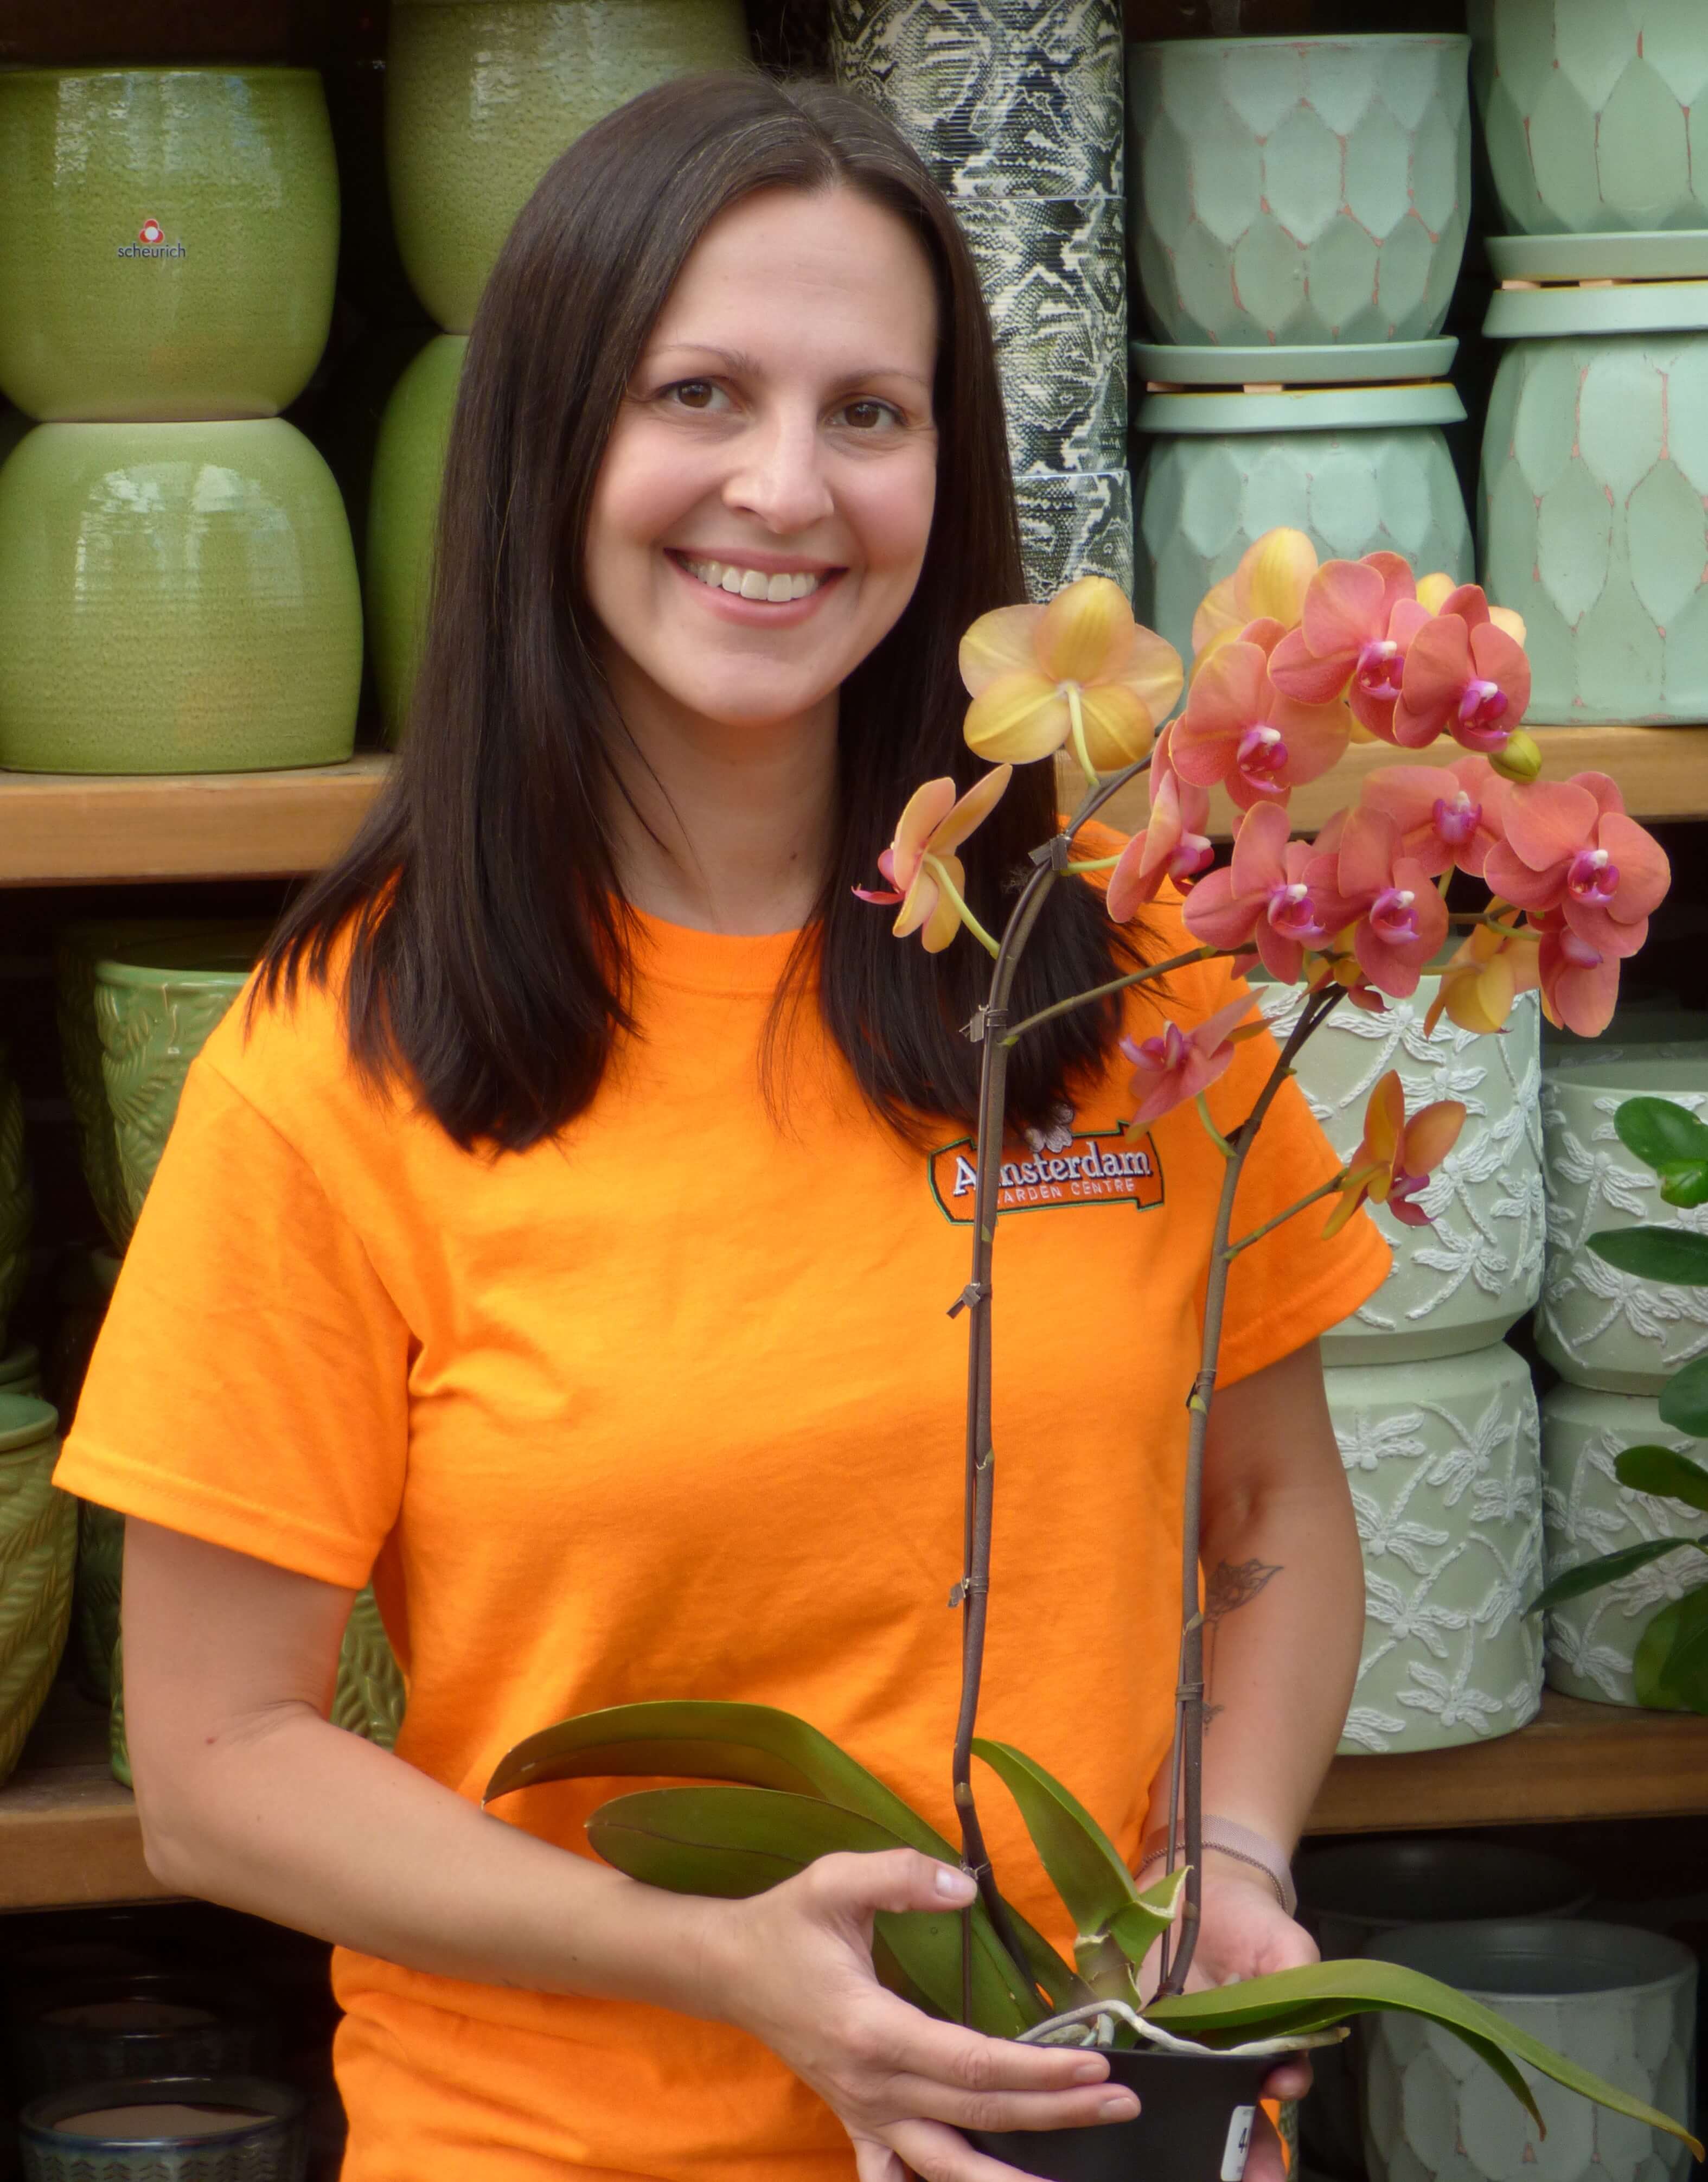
x=1458, y=1284
x=402, y=511
x=17, y=1199
x=1360, y=470
x=1596, y=1326
x=176, y=598
x=38, y=1549
x=481, y=95
x=94, y=1603
x=1615, y=1999
x=169, y=239
x=1445, y=1467
x=1592, y=1641
x=1592, y=114
x=1299, y=190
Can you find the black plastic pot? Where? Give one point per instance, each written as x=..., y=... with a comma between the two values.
x=1193, y=2124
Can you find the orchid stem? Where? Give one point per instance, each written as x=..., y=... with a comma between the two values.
x=1220, y=1142
x=1115, y=985
x=1076, y=717
x=1102, y=864
x=934, y=865
x=1280, y=1220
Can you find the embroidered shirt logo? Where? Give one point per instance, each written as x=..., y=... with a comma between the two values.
x=1061, y=1166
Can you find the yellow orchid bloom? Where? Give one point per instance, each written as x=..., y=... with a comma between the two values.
x=925, y=876
x=1269, y=585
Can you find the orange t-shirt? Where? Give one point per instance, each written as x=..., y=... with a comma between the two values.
x=672, y=1407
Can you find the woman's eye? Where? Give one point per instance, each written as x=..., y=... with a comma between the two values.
x=870, y=415
x=698, y=394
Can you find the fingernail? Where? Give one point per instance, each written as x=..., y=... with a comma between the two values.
x=955, y=1885
x=1092, y=2072
x=1121, y=2107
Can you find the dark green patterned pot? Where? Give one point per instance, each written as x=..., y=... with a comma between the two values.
x=38, y=1551
x=100, y=1579
x=268, y=2140
x=17, y=1199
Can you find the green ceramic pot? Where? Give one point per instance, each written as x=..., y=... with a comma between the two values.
x=1593, y=113
x=402, y=511
x=20, y=1372
x=483, y=95
x=1298, y=190
x=17, y=1199
x=265, y=2140
x=155, y=1007
x=169, y=239
x=95, y=1603
x=13, y=425
x=1358, y=469
x=176, y=598
x=38, y=1552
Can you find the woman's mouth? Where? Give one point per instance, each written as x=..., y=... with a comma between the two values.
x=775, y=587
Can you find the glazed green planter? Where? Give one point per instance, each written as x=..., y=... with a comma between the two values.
x=1592, y=111
x=17, y=1199
x=169, y=239
x=38, y=1551
x=176, y=598
x=1298, y=190
x=1443, y=1459
x=95, y=1603
x=20, y=1370
x=483, y=95
x=402, y=511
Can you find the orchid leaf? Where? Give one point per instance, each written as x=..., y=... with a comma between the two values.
x=733, y=1842
x=1684, y=1183
x=1085, y=1868
x=1684, y=1406
x=1667, y=1473
x=1325, y=1993
x=1661, y=1134
x=1674, y=1255
x=1670, y=1667
x=1605, y=1569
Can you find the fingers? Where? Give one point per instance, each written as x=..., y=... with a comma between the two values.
x=894, y=1878
x=1266, y=2161
x=937, y=2154
x=1089, y=2106
x=1292, y=2080
x=876, y=2162
x=963, y=2061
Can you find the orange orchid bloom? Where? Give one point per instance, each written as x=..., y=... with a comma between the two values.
x=1485, y=975
x=925, y=876
x=1269, y=585
x=1079, y=670
x=1396, y=1156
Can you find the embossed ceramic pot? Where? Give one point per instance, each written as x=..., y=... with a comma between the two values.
x=481, y=95
x=1594, y=470
x=95, y=1604
x=17, y=1199
x=1593, y=116
x=1615, y=1999
x=1360, y=469
x=102, y=2130
x=1592, y=1641
x=1444, y=1466
x=1596, y=1326
x=402, y=511
x=38, y=1548
x=169, y=239
x=1299, y=190
x=1459, y=1283
x=176, y=598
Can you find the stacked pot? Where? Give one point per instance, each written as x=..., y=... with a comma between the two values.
x=1016, y=109
x=1615, y=1341
x=1299, y=211
x=1594, y=468
x=178, y=590
x=1435, y=1416
x=481, y=95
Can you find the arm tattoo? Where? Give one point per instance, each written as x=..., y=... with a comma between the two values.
x=1228, y=1587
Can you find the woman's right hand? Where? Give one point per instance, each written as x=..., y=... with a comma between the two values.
x=793, y=1967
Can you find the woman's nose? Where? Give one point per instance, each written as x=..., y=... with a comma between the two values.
x=779, y=476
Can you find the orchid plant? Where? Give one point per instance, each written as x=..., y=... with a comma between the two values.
x=1293, y=662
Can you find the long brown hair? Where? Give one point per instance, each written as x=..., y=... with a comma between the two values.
x=489, y=935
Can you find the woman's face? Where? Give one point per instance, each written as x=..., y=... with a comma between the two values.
x=762, y=511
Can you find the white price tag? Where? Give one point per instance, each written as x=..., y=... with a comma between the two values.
x=1239, y=2143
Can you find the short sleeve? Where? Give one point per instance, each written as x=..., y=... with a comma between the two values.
x=250, y=1386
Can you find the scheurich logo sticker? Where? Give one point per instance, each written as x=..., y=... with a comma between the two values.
x=151, y=243
x=1059, y=1167
x=151, y=231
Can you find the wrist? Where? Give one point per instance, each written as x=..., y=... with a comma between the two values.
x=1235, y=1847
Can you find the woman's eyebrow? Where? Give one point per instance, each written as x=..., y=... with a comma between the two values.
x=739, y=363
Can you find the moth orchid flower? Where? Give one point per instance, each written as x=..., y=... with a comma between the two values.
x=1394, y=1161
x=1170, y=1069
x=1264, y=898
x=1464, y=673
x=1436, y=592
x=1239, y=728
x=1351, y=639
x=1174, y=846
x=1484, y=976
x=1569, y=846
x=1269, y=585
x=925, y=876
x=1580, y=984
x=1400, y=919
x=1448, y=818
x=1079, y=670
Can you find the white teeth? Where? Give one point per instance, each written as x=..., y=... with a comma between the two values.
x=779, y=589
x=754, y=583
x=731, y=580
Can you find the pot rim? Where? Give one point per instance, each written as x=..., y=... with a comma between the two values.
x=1212, y=412
x=1580, y=1929
x=1317, y=41
x=120, y=71
x=38, y=1423
x=272, y=2103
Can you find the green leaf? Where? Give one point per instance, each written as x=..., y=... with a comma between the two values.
x=1684, y=1406
x=1661, y=1133
x=733, y=1842
x=1083, y=1864
x=1666, y=1472
x=1684, y=1183
x=1670, y=1255
x=1671, y=1666
x=1326, y=1993
x=1606, y=1568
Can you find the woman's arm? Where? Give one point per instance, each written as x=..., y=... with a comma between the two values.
x=250, y=1796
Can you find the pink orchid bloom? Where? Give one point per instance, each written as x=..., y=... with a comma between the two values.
x=1269, y=897
x=1463, y=673
x=1448, y=818
x=1174, y=846
x=1570, y=847
x=1351, y=639
x=1394, y=1161
x=921, y=857
x=1239, y=728
x=1580, y=983
x=1176, y=1066
x=1399, y=920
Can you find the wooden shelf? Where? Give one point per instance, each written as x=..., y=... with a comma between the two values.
x=68, y=1831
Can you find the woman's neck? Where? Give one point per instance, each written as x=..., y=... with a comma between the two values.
x=722, y=827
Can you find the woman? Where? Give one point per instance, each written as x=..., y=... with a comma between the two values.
x=565, y=1236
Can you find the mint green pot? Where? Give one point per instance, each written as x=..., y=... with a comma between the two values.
x=1592, y=111
x=1298, y=190
x=176, y=598
x=169, y=239
x=38, y=1548
x=482, y=96
x=402, y=511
